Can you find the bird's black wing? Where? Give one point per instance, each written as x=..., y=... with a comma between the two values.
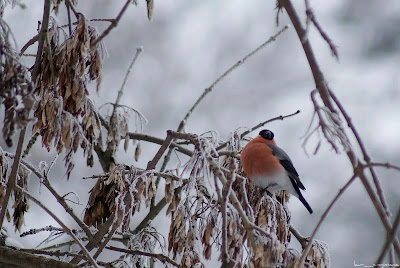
x=285, y=161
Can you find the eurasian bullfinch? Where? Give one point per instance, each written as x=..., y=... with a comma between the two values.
x=269, y=167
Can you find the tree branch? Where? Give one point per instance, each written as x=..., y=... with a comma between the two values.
x=42, y=38
x=113, y=24
x=321, y=220
x=28, y=44
x=13, y=176
x=326, y=97
x=65, y=228
x=366, y=156
x=226, y=73
x=60, y=199
x=17, y=258
x=152, y=164
x=144, y=137
x=281, y=117
x=14, y=171
x=315, y=69
x=57, y=253
x=160, y=257
x=302, y=240
x=139, y=50
x=386, y=165
x=390, y=238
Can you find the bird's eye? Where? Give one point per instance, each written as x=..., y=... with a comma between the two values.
x=267, y=134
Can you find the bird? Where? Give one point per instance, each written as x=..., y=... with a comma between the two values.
x=270, y=168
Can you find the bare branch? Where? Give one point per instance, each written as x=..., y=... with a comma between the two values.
x=359, y=171
x=65, y=228
x=28, y=44
x=281, y=117
x=160, y=257
x=390, y=238
x=50, y=253
x=302, y=240
x=139, y=50
x=227, y=72
x=152, y=164
x=311, y=17
x=59, y=198
x=113, y=24
x=366, y=156
x=71, y=6
x=42, y=38
x=153, y=213
x=98, y=236
x=323, y=90
x=321, y=220
x=13, y=176
x=318, y=76
x=20, y=258
x=386, y=165
x=116, y=224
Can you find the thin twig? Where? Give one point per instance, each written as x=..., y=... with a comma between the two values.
x=139, y=50
x=359, y=171
x=281, y=117
x=113, y=24
x=28, y=44
x=70, y=5
x=160, y=257
x=42, y=38
x=65, y=228
x=321, y=220
x=57, y=253
x=30, y=144
x=366, y=156
x=318, y=76
x=113, y=118
x=311, y=17
x=386, y=165
x=227, y=72
x=67, y=4
x=140, y=173
x=390, y=238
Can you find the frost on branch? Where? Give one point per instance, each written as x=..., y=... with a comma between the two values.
x=127, y=185
x=65, y=116
x=318, y=256
x=197, y=213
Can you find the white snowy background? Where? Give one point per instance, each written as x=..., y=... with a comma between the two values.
x=189, y=44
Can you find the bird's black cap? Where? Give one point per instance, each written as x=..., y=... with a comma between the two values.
x=267, y=134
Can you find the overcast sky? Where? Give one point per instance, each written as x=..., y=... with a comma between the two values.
x=189, y=44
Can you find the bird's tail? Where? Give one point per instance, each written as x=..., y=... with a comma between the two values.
x=300, y=196
x=303, y=200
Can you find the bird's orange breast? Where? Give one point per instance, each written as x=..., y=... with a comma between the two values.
x=258, y=160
